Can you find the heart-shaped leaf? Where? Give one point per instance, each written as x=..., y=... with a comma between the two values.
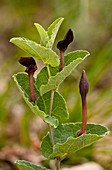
x=71, y=61
x=59, y=109
x=25, y=165
x=42, y=106
x=66, y=140
x=22, y=82
x=46, y=55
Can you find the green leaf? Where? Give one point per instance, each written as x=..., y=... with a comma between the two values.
x=25, y=165
x=42, y=106
x=47, y=38
x=46, y=55
x=43, y=34
x=67, y=142
x=52, y=121
x=53, y=30
x=59, y=109
x=46, y=146
x=42, y=78
x=22, y=82
x=71, y=61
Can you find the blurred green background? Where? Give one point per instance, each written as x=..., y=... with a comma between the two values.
x=91, y=22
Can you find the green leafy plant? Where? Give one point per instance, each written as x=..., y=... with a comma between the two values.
x=42, y=96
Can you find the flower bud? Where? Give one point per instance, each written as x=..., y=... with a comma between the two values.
x=83, y=85
x=30, y=64
x=62, y=45
x=31, y=67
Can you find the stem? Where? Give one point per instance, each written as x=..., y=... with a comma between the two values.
x=32, y=92
x=62, y=60
x=48, y=70
x=51, y=102
x=50, y=110
x=50, y=134
x=58, y=160
x=84, y=115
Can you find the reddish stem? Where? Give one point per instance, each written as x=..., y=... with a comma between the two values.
x=62, y=60
x=84, y=117
x=32, y=92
